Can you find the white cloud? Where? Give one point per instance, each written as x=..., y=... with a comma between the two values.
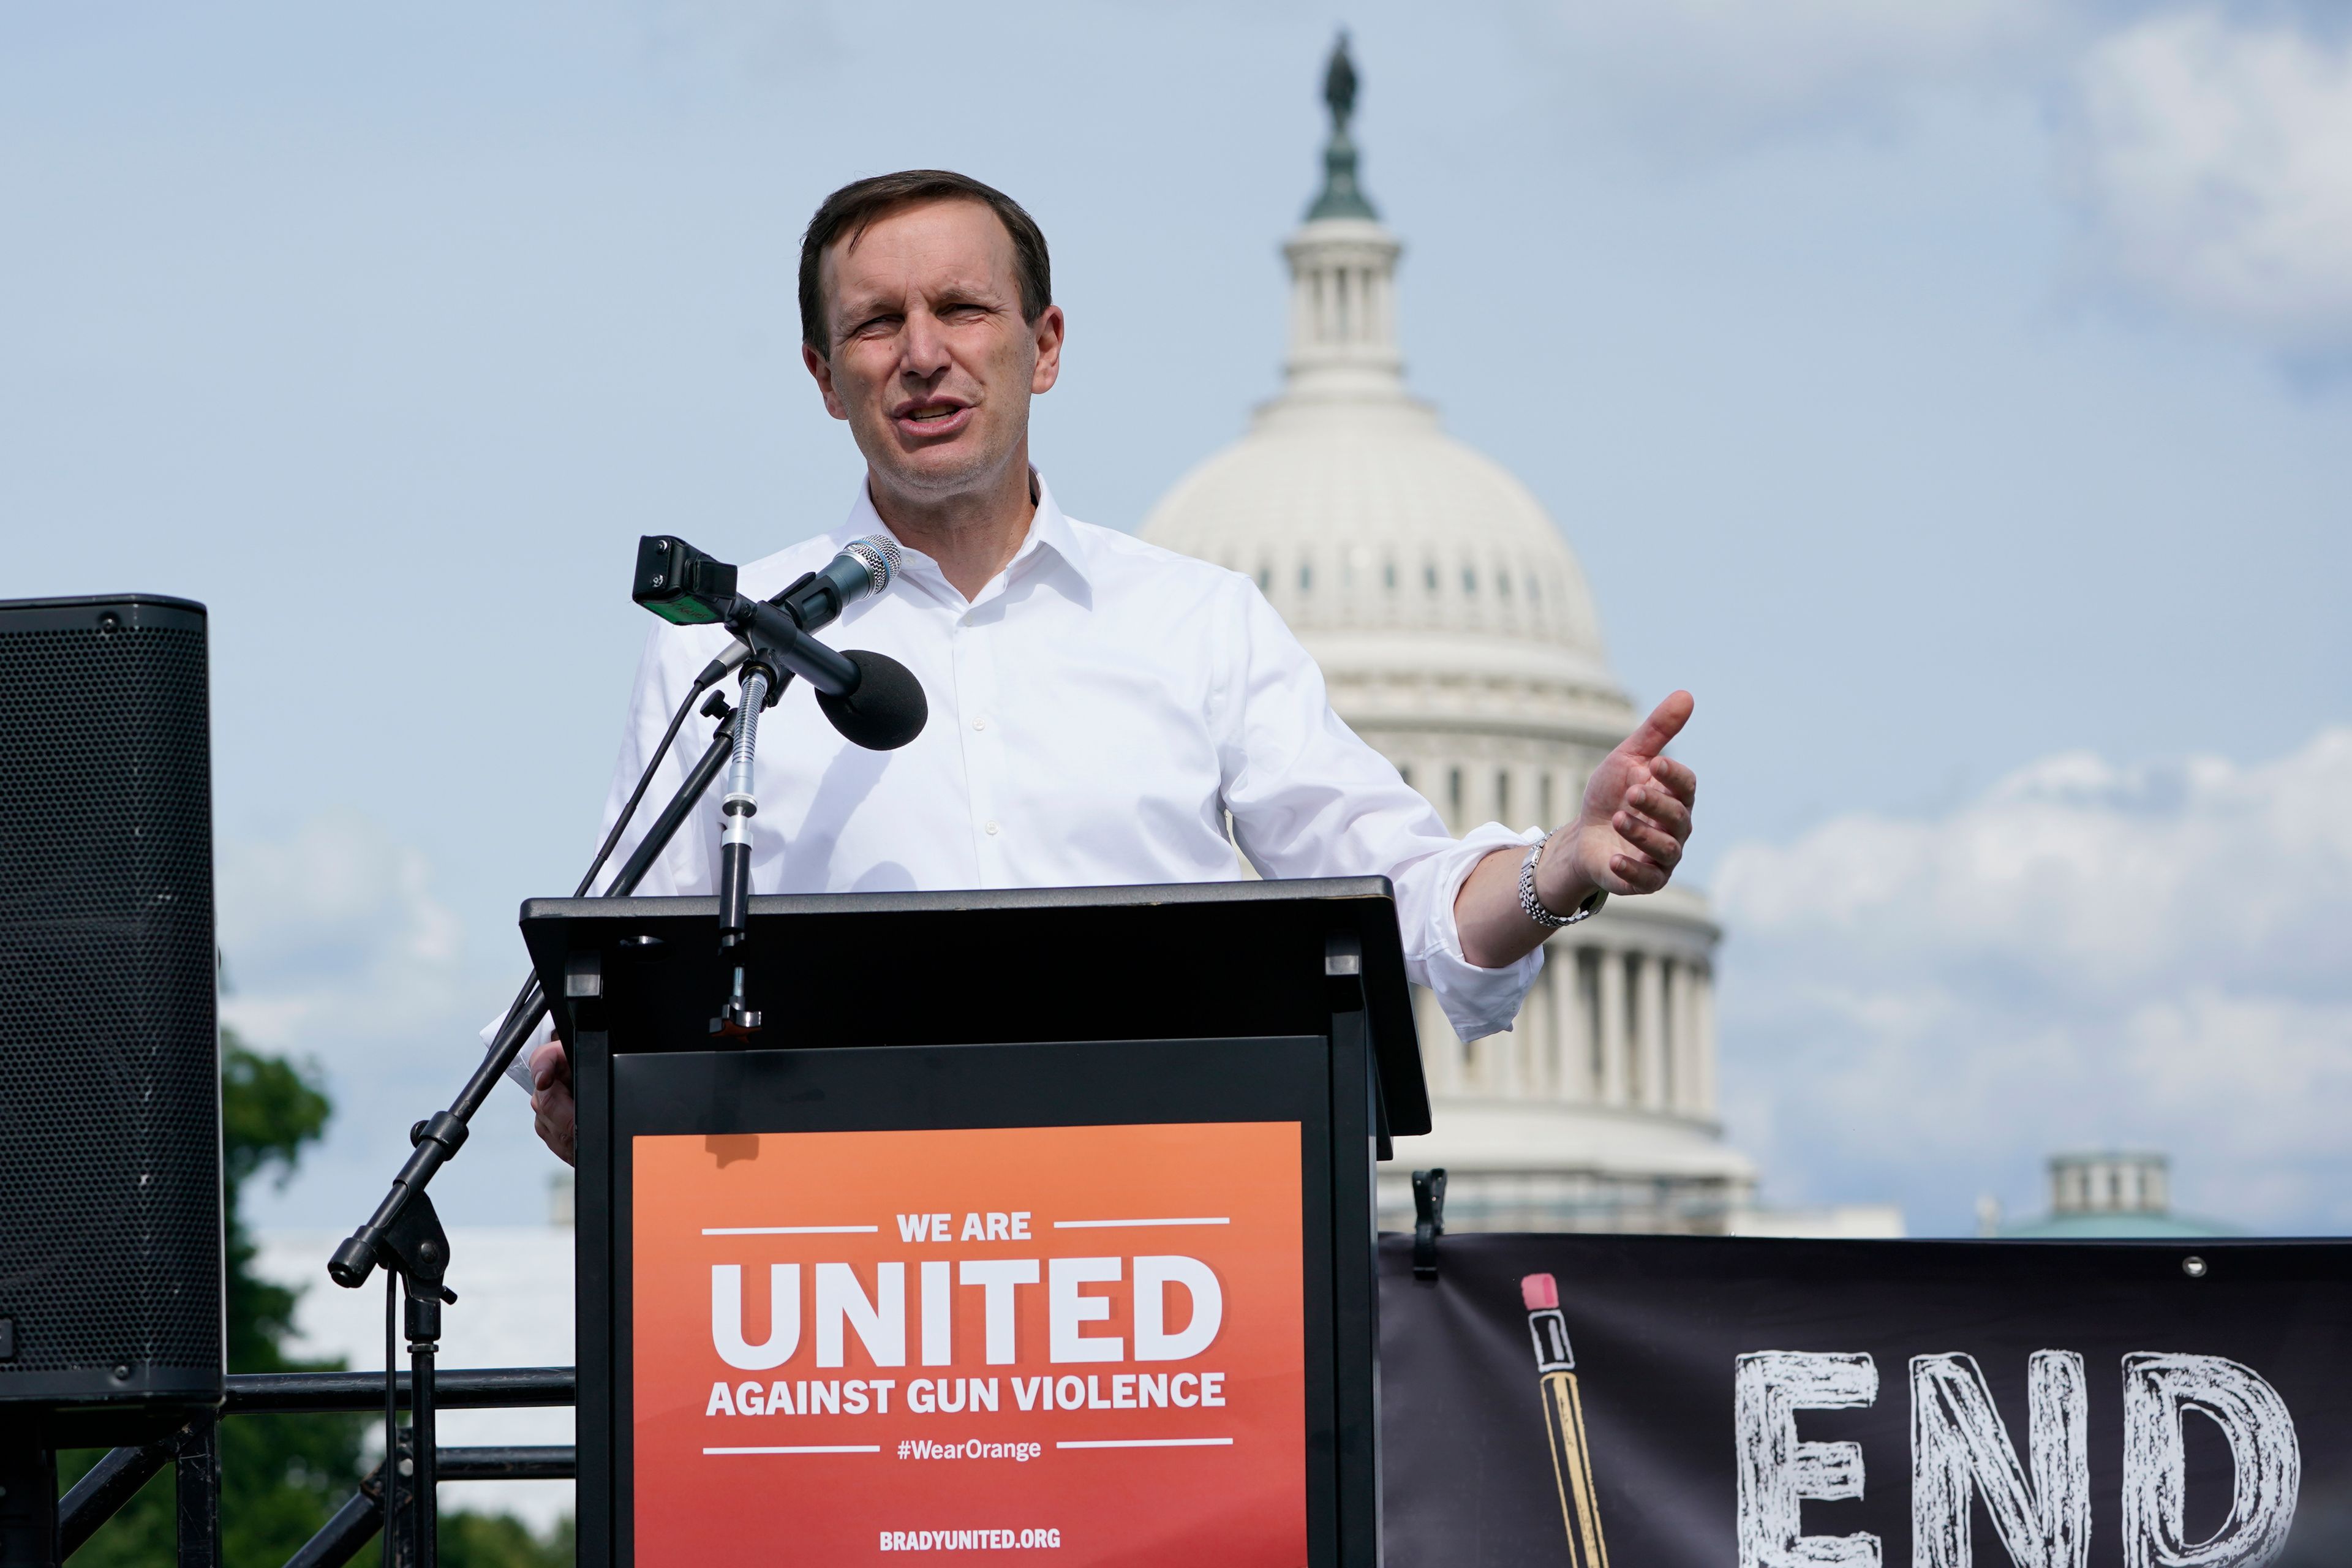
x=2086, y=955
x=2208, y=147
x=339, y=953
x=333, y=935
x=2216, y=160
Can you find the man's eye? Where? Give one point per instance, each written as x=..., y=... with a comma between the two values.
x=877, y=324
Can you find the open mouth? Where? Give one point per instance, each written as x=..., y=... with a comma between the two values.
x=934, y=418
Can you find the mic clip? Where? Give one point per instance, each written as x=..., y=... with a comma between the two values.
x=777, y=643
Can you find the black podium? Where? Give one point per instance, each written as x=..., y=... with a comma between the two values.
x=1034, y=1220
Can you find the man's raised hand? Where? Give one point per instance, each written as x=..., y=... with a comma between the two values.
x=1636, y=817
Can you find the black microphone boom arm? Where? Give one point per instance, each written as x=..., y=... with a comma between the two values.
x=777, y=639
x=440, y=1136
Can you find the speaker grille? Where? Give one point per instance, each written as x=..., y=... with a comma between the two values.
x=109, y=1052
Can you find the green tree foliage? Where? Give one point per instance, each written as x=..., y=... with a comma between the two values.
x=270, y=1109
x=500, y=1541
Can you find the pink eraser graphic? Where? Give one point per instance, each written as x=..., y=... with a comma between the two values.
x=1539, y=1292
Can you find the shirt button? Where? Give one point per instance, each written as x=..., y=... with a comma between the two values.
x=980, y=723
x=991, y=828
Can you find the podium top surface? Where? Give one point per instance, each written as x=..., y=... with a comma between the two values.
x=1202, y=960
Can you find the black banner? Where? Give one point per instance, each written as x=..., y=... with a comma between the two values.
x=1660, y=1402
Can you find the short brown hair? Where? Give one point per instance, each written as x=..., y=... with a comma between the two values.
x=851, y=209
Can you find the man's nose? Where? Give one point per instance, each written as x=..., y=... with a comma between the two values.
x=925, y=344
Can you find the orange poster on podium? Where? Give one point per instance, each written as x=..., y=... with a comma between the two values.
x=1066, y=1345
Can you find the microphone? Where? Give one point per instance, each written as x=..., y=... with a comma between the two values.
x=864, y=568
x=885, y=710
x=872, y=699
x=683, y=585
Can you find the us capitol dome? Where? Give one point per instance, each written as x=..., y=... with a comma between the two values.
x=1459, y=638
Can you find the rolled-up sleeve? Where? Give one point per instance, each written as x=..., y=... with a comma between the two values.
x=1310, y=798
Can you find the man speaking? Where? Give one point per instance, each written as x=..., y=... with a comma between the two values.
x=1100, y=708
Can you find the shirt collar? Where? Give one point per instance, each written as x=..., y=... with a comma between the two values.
x=1050, y=541
x=1050, y=529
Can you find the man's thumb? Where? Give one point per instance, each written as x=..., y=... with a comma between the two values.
x=1665, y=722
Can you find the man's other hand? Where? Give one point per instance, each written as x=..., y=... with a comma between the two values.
x=551, y=1099
x=1636, y=817
x=1627, y=837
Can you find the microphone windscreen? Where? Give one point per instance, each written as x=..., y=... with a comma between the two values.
x=886, y=711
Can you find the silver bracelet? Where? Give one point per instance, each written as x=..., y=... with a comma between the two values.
x=1533, y=906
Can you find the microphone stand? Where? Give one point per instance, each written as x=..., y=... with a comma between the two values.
x=405, y=1236
x=778, y=648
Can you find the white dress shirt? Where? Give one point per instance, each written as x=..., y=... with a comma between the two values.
x=1096, y=712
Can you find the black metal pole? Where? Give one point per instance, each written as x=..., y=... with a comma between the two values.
x=341, y=1538
x=459, y=1388
x=425, y=1498
x=416, y=1250
x=108, y=1485
x=197, y=1485
x=28, y=1495
x=393, y=1437
x=399, y=1518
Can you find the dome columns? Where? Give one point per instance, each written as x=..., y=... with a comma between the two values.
x=1616, y=1038
x=1615, y=1021
x=1343, y=329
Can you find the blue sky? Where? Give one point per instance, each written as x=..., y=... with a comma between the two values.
x=1941, y=392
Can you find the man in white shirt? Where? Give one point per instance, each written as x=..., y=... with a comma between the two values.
x=1099, y=707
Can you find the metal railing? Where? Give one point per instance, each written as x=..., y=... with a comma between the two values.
x=194, y=1452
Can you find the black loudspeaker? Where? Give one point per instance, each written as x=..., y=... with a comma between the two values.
x=111, y=1318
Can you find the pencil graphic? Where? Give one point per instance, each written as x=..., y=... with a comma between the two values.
x=1571, y=1465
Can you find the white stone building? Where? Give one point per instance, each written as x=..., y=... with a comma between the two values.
x=1458, y=636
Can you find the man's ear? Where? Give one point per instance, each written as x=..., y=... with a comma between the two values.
x=822, y=369
x=1050, y=328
